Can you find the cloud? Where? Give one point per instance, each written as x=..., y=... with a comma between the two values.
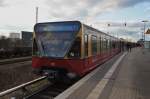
x=126, y=33
x=105, y=6
x=67, y=9
x=128, y=3
x=2, y=3
x=86, y=10
x=120, y=24
x=147, y=9
x=133, y=29
x=14, y=28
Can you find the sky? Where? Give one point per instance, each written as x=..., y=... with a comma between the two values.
x=19, y=15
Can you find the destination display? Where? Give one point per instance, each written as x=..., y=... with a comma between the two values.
x=57, y=27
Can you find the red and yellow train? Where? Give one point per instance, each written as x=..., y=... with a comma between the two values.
x=70, y=49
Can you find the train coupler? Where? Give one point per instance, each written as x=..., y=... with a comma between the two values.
x=51, y=74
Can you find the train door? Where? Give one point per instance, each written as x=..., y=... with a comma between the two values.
x=105, y=47
x=75, y=50
x=94, y=48
x=100, y=49
x=109, y=46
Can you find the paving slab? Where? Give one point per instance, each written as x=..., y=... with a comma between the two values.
x=83, y=88
x=132, y=79
x=123, y=77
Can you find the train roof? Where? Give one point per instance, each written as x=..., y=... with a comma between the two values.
x=79, y=22
x=100, y=31
x=59, y=22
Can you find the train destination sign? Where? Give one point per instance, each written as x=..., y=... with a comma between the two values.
x=57, y=27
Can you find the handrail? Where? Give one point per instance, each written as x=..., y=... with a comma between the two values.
x=21, y=86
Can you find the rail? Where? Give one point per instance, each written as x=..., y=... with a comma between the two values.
x=13, y=60
x=20, y=87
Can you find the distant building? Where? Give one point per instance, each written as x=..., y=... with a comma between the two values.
x=14, y=35
x=27, y=38
x=2, y=37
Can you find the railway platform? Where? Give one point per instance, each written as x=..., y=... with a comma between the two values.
x=126, y=76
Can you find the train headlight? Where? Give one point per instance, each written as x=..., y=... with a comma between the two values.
x=52, y=64
x=71, y=75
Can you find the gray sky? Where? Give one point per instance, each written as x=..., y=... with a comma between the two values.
x=18, y=15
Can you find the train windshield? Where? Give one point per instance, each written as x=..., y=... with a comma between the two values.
x=55, y=39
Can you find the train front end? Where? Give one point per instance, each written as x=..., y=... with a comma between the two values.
x=56, y=50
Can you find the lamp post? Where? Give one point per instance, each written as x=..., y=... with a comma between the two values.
x=143, y=36
x=108, y=28
x=37, y=12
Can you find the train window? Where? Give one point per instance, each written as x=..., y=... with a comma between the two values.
x=75, y=51
x=86, y=45
x=100, y=45
x=108, y=45
x=113, y=45
x=104, y=45
x=94, y=45
x=55, y=44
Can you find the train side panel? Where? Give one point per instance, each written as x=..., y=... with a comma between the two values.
x=96, y=48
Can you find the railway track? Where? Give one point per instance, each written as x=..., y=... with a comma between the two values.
x=39, y=88
x=15, y=60
x=50, y=92
x=25, y=89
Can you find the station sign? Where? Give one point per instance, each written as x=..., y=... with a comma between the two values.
x=148, y=31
